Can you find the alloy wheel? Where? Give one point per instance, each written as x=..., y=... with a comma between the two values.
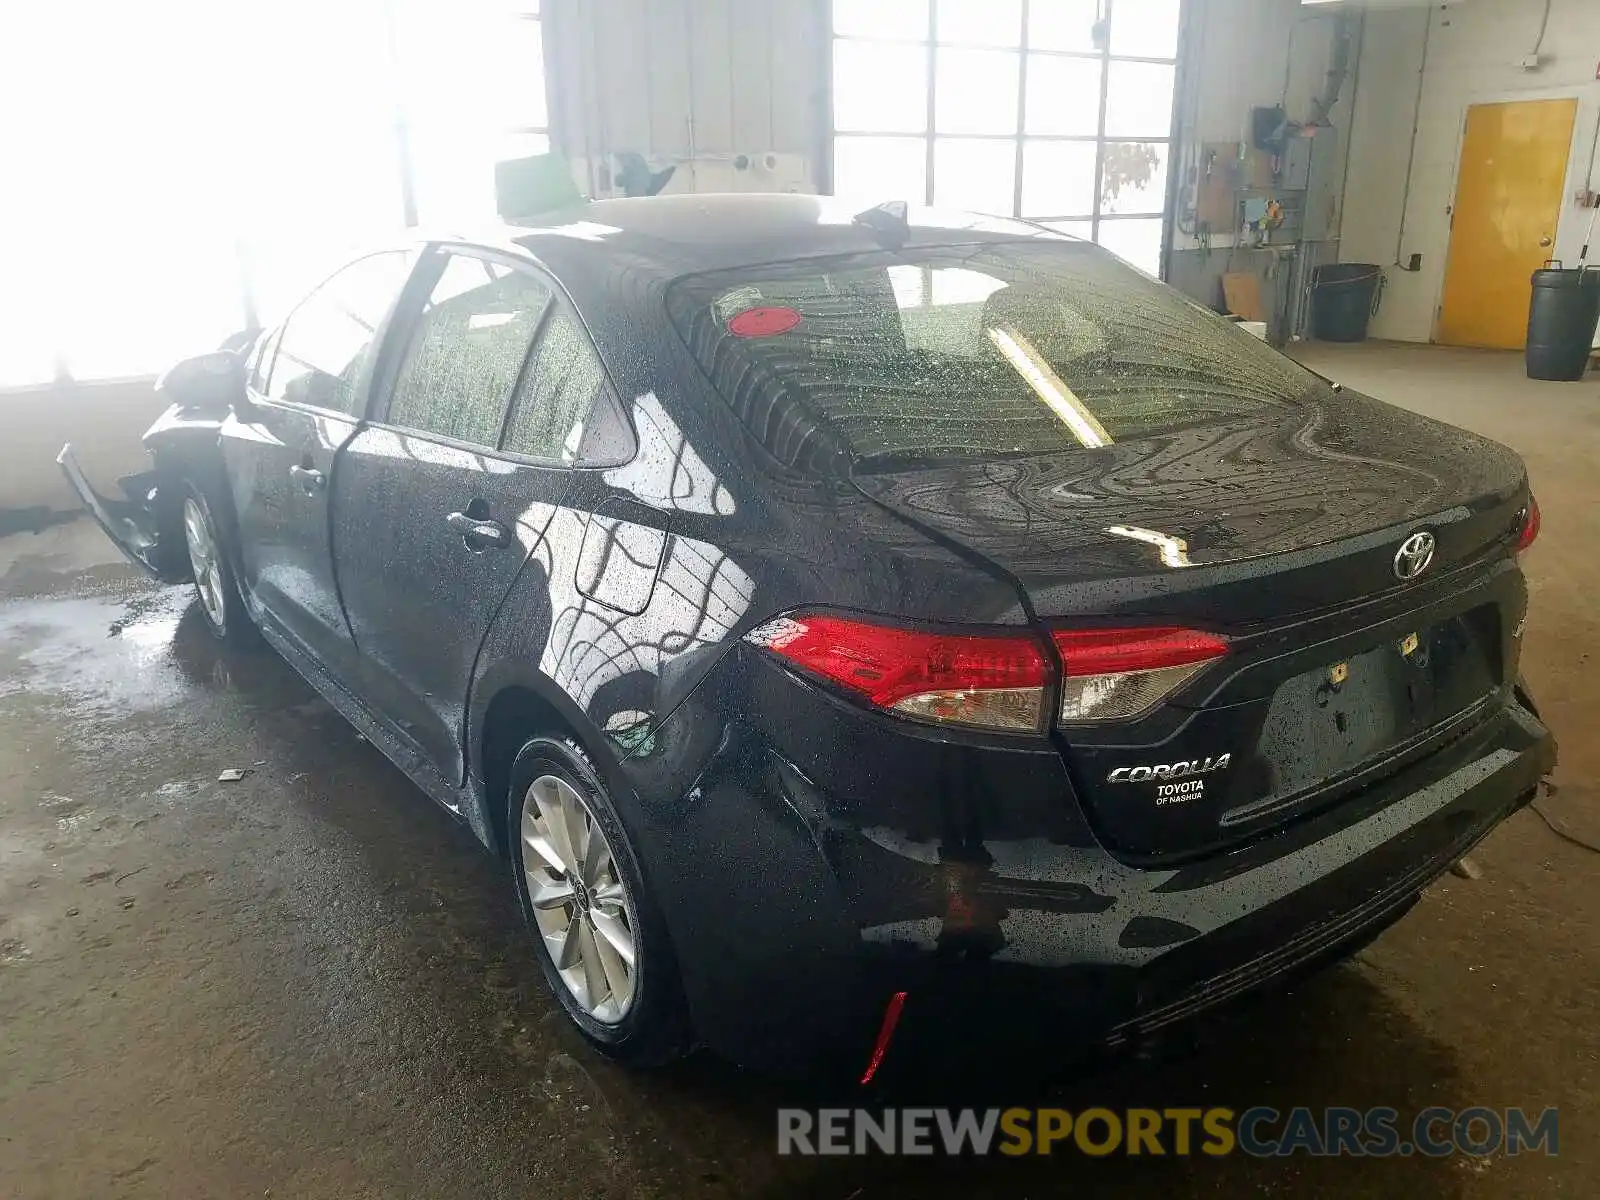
x=580, y=903
x=204, y=561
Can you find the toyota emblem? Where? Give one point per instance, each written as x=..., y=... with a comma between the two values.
x=1414, y=555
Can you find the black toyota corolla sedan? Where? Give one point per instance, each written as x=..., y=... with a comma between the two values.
x=852, y=625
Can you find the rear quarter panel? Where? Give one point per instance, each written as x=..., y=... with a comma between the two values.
x=614, y=642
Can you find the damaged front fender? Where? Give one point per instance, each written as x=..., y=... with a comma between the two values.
x=144, y=522
x=133, y=522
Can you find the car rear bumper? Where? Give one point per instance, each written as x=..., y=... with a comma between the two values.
x=794, y=924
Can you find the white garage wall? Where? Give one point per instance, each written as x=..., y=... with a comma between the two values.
x=1472, y=53
x=1380, y=140
x=694, y=83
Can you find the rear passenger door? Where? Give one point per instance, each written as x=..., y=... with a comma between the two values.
x=445, y=494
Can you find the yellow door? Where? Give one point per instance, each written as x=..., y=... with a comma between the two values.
x=1508, y=198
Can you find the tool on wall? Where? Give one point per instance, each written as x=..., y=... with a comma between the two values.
x=1261, y=216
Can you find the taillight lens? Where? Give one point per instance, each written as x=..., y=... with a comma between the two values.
x=1530, y=525
x=1116, y=674
x=977, y=680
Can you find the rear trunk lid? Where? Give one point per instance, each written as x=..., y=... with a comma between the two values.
x=1128, y=459
x=1283, y=533
x=1295, y=510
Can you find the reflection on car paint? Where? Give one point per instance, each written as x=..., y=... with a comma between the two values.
x=803, y=849
x=667, y=472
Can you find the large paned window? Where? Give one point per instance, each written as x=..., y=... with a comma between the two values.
x=174, y=170
x=1059, y=111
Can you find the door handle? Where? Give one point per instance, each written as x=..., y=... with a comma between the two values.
x=479, y=535
x=310, y=479
x=1545, y=241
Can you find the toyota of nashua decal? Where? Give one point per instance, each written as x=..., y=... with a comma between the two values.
x=1175, y=782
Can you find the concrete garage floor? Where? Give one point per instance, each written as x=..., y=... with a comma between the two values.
x=310, y=984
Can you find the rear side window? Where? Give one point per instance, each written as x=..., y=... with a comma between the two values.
x=467, y=350
x=558, y=393
x=962, y=353
x=325, y=348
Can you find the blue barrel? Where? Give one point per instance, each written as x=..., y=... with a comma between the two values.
x=1561, y=322
x=1344, y=297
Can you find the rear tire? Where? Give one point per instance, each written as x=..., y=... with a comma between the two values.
x=216, y=587
x=597, y=932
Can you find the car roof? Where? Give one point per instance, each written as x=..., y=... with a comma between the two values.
x=688, y=234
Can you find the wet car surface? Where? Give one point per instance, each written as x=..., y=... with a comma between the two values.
x=877, y=604
x=311, y=982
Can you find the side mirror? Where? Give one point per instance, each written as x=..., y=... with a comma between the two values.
x=212, y=381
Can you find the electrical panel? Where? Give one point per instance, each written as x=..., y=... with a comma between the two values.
x=1310, y=165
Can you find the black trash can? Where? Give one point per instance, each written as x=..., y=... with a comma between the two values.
x=1343, y=298
x=1561, y=322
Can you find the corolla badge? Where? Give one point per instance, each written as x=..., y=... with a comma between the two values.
x=1164, y=771
x=1414, y=555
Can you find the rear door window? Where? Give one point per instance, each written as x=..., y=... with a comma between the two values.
x=960, y=353
x=467, y=350
x=324, y=352
x=558, y=394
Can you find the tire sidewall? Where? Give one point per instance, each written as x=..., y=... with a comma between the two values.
x=236, y=628
x=654, y=1029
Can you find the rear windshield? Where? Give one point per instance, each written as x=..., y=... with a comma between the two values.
x=948, y=354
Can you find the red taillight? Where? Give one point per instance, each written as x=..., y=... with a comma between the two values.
x=1530, y=525
x=994, y=682
x=1115, y=674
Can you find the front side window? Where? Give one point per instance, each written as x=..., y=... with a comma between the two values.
x=467, y=350
x=327, y=344
x=967, y=353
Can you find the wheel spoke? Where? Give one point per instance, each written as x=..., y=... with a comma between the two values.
x=572, y=816
x=213, y=588
x=548, y=798
x=610, y=893
x=193, y=528
x=593, y=973
x=542, y=847
x=534, y=839
x=618, y=970
x=596, y=858
x=571, y=945
x=615, y=934
x=550, y=895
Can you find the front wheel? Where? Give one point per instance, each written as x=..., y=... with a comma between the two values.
x=596, y=930
x=216, y=588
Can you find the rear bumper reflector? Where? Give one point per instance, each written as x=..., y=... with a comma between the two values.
x=891, y=1018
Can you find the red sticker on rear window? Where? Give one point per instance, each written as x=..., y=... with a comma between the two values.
x=766, y=321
